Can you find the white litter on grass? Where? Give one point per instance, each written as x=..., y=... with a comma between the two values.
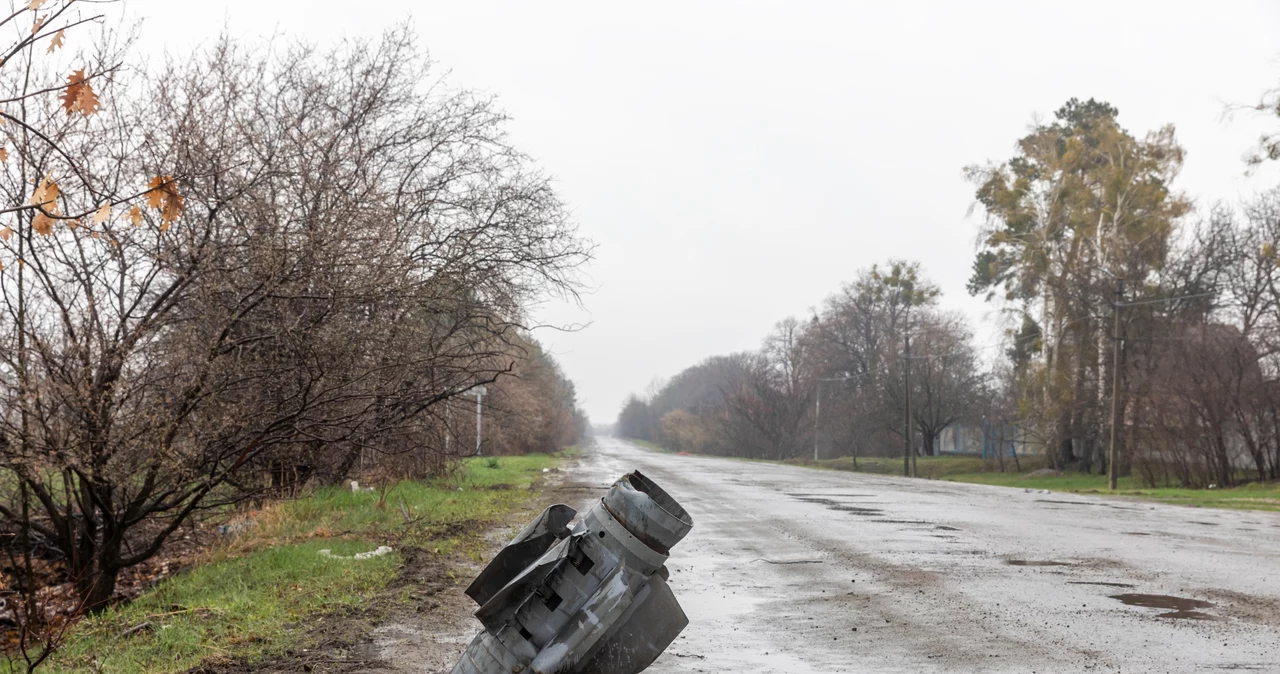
x=382, y=550
x=355, y=487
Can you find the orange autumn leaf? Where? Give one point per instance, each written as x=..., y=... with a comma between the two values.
x=155, y=197
x=79, y=95
x=135, y=216
x=165, y=198
x=46, y=195
x=101, y=215
x=5, y=233
x=4, y=154
x=35, y=4
x=42, y=224
x=39, y=23
x=56, y=42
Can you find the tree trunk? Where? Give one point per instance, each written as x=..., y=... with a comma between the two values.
x=1065, y=455
x=1079, y=420
x=927, y=436
x=96, y=589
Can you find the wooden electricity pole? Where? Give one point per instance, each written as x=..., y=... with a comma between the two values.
x=907, y=458
x=1112, y=474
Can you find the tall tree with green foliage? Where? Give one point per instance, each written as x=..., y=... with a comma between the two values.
x=1083, y=208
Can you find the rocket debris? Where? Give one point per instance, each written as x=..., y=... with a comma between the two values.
x=591, y=600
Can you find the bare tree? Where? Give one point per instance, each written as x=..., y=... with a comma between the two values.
x=354, y=249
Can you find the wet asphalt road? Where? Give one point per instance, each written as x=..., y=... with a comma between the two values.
x=796, y=570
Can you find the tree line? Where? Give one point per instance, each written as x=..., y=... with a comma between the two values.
x=1141, y=334
x=340, y=248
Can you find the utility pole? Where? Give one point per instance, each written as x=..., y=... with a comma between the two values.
x=479, y=392
x=1112, y=474
x=817, y=414
x=907, y=455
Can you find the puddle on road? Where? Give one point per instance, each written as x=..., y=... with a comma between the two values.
x=1098, y=582
x=1177, y=607
x=836, y=505
x=1079, y=503
x=1034, y=562
x=799, y=495
x=1086, y=503
x=857, y=511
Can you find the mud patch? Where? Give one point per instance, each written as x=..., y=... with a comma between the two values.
x=903, y=522
x=1098, y=582
x=1177, y=607
x=943, y=527
x=1253, y=608
x=1035, y=562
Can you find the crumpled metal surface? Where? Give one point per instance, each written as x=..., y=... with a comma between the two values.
x=588, y=600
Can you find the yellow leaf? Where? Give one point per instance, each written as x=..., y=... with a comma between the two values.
x=56, y=42
x=102, y=214
x=135, y=216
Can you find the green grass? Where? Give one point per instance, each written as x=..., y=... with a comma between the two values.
x=262, y=594
x=929, y=467
x=1255, y=496
x=231, y=607
x=651, y=445
x=483, y=489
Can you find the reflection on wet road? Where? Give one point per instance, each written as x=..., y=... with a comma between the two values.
x=795, y=570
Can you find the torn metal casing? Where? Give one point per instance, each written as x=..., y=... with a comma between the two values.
x=591, y=600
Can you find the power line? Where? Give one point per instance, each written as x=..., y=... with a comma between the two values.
x=1164, y=299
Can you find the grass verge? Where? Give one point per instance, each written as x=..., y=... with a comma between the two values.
x=972, y=469
x=1255, y=496
x=262, y=594
x=929, y=467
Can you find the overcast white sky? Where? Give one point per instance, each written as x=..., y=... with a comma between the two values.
x=737, y=161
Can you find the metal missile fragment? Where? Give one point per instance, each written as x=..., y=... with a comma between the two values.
x=591, y=600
